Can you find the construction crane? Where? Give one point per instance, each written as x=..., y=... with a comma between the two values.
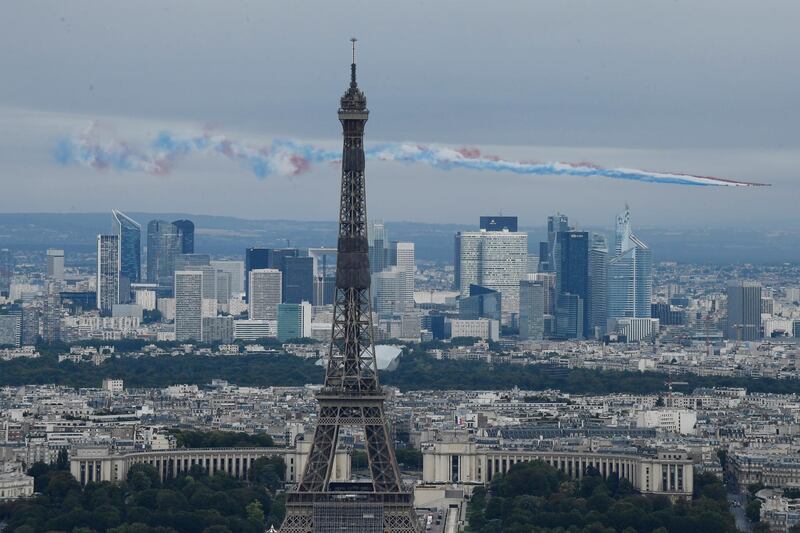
x=670, y=383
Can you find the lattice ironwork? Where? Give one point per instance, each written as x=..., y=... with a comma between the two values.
x=352, y=394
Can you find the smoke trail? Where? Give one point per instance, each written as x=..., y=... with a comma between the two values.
x=292, y=158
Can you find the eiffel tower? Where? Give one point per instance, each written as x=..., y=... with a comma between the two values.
x=351, y=395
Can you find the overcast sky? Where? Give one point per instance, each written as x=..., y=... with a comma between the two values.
x=703, y=87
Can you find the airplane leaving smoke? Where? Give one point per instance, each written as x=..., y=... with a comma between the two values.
x=292, y=158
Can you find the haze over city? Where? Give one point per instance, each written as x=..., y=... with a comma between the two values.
x=700, y=89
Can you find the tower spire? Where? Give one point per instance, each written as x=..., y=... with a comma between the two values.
x=353, y=83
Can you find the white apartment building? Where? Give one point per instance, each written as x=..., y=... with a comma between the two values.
x=113, y=385
x=482, y=328
x=264, y=285
x=496, y=260
x=681, y=421
x=250, y=330
x=407, y=266
x=188, y=305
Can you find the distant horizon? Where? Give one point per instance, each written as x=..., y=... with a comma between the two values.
x=573, y=219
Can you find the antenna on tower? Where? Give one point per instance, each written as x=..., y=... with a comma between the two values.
x=353, y=65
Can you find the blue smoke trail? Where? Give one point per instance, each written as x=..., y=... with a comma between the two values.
x=291, y=158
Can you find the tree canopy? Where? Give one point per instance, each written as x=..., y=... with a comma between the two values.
x=534, y=496
x=191, y=502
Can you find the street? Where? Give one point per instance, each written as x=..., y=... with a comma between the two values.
x=737, y=504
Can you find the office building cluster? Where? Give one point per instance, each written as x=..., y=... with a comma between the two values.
x=575, y=285
x=575, y=288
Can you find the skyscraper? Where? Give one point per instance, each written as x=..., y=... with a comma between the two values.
x=298, y=279
x=598, y=286
x=6, y=270
x=30, y=324
x=744, y=311
x=55, y=265
x=130, y=247
x=188, y=305
x=11, y=329
x=185, y=230
x=403, y=254
x=51, y=313
x=236, y=270
x=224, y=286
x=630, y=273
x=260, y=258
x=378, y=247
x=200, y=263
x=548, y=281
x=265, y=293
x=387, y=292
x=254, y=258
x=294, y=321
x=572, y=282
x=162, y=247
x=482, y=302
x=531, y=309
x=107, y=272
x=494, y=259
x=556, y=224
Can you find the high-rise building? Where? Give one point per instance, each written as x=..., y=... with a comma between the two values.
x=498, y=223
x=188, y=305
x=548, y=281
x=51, y=313
x=30, y=325
x=556, y=224
x=202, y=263
x=324, y=290
x=598, y=286
x=236, y=270
x=261, y=258
x=630, y=273
x=130, y=247
x=185, y=230
x=254, y=258
x=378, y=247
x=744, y=311
x=162, y=247
x=107, y=272
x=298, y=279
x=493, y=259
x=482, y=302
x=55, y=265
x=265, y=293
x=6, y=270
x=191, y=261
x=11, y=329
x=218, y=329
x=403, y=254
x=387, y=292
x=569, y=314
x=572, y=282
x=531, y=309
x=224, y=285
x=294, y=321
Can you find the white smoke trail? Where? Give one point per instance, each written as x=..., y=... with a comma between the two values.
x=291, y=158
